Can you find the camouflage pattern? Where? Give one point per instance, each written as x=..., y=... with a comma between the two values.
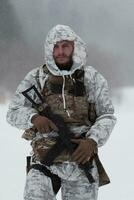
x=77, y=106
x=29, y=134
x=20, y=111
x=74, y=184
x=43, y=145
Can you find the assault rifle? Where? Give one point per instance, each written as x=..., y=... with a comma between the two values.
x=64, y=134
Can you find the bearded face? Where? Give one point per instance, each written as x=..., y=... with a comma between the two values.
x=62, y=54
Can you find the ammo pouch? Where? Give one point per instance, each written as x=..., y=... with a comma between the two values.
x=42, y=146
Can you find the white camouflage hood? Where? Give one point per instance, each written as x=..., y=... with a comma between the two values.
x=60, y=33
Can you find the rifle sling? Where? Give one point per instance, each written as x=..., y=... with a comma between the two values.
x=56, y=181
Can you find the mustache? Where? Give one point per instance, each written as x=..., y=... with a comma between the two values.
x=62, y=56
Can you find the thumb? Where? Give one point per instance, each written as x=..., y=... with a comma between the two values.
x=53, y=126
x=77, y=141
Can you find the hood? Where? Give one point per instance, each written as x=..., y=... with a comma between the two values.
x=60, y=33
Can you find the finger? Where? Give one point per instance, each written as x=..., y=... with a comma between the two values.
x=75, y=158
x=77, y=141
x=85, y=160
x=41, y=130
x=46, y=129
x=81, y=159
x=76, y=152
x=53, y=126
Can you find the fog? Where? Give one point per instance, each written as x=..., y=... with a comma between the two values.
x=106, y=26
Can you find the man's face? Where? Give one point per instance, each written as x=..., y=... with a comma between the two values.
x=62, y=53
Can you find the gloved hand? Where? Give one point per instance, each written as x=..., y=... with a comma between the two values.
x=43, y=124
x=85, y=150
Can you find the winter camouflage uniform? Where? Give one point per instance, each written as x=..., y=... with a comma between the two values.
x=75, y=111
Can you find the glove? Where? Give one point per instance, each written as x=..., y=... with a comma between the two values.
x=86, y=149
x=43, y=124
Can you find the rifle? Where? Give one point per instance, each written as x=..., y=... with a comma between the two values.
x=64, y=134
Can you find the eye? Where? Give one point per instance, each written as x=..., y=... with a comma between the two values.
x=65, y=45
x=55, y=46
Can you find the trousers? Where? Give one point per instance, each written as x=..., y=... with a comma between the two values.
x=74, y=183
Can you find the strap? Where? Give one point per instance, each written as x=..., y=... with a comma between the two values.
x=56, y=181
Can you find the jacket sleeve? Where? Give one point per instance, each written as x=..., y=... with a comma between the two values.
x=20, y=109
x=98, y=92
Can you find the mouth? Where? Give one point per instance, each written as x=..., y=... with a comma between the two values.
x=61, y=57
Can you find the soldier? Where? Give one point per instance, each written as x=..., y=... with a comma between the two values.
x=78, y=93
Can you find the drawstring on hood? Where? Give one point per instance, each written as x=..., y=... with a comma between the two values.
x=61, y=33
x=63, y=96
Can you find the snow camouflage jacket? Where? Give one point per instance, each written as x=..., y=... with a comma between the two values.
x=21, y=111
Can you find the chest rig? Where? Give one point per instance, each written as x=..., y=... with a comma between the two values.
x=81, y=111
x=74, y=96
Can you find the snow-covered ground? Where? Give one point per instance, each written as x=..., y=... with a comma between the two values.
x=116, y=155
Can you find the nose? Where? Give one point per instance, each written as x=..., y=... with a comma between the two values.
x=60, y=50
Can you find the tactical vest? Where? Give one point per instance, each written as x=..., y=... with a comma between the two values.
x=80, y=110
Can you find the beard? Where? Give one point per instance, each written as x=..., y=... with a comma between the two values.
x=65, y=66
